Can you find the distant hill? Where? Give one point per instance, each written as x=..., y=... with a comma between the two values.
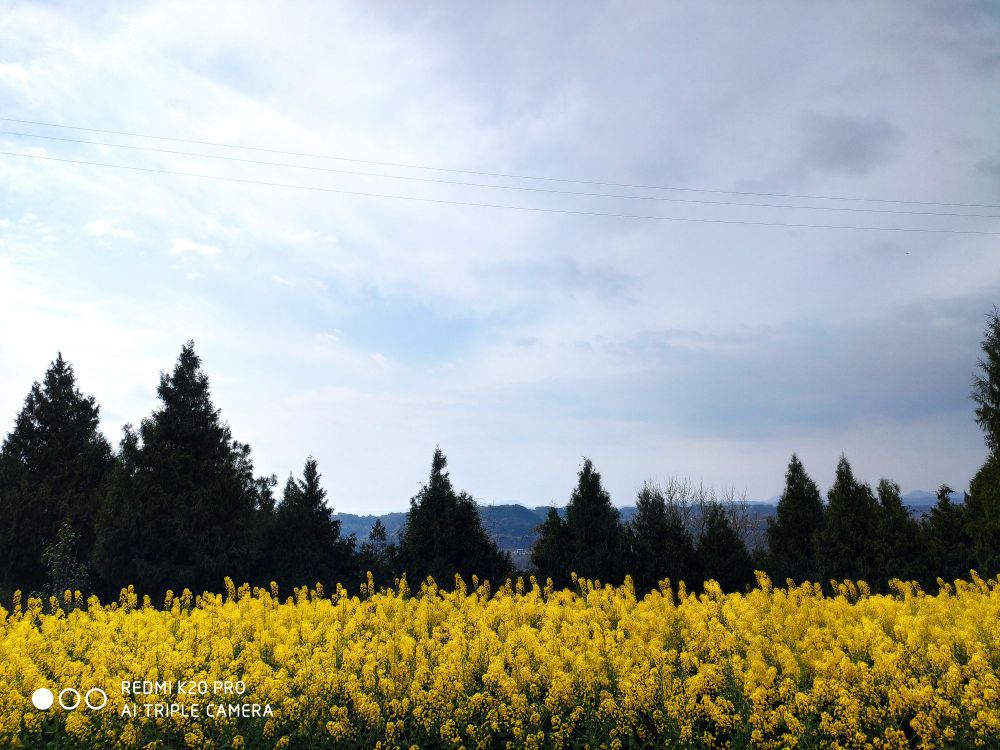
x=513, y=526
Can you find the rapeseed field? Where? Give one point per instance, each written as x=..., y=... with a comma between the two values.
x=519, y=666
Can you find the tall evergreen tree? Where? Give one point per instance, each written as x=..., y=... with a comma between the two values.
x=180, y=506
x=444, y=534
x=51, y=468
x=986, y=384
x=591, y=534
x=947, y=545
x=660, y=544
x=551, y=554
x=982, y=504
x=847, y=543
x=722, y=554
x=897, y=549
x=378, y=555
x=309, y=546
x=792, y=532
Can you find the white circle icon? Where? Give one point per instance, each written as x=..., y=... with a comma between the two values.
x=42, y=699
x=102, y=696
x=73, y=692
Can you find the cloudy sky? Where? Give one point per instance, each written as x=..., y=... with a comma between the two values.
x=366, y=330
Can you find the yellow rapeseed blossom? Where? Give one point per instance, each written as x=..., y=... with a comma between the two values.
x=522, y=666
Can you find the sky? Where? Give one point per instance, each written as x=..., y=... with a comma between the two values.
x=367, y=330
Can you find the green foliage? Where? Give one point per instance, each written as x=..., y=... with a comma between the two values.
x=444, y=534
x=62, y=562
x=982, y=506
x=377, y=555
x=180, y=507
x=722, y=555
x=986, y=384
x=52, y=465
x=897, y=542
x=551, y=554
x=946, y=539
x=589, y=540
x=847, y=543
x=308, y=547
x=792, y=532
x=659, y=542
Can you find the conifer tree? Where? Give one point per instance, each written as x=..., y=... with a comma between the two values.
x=986, y=384
x=722, y=554
x=848, y=541
x=792, y=532
x=947, y=543
x=590, y=534
x=660, y=544
x=52, y=465
x=551, y=554
x=180, y=506
x=377, y=555
x=309, y=546
x=444, y=534
x=982, y=504
x=897, y=549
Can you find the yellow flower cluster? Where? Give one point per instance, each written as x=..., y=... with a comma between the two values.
x=520, y=667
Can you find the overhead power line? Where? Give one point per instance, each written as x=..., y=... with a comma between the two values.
x=439, y=181
x=403, y=165
x=535, y=209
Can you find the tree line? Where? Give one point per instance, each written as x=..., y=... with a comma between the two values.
x=178, y=504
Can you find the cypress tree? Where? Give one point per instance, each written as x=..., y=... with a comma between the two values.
x=52, y=465
x=722, y=554
x=551, y=554
x=377, y=555
x=660, y=544
x=792, y=532
x=848, y=540
x=180, y=506
x=982, y=504
x=593, y=530
x=897, y=547
x=444, y=534
x=947, y=543
x=309, y=548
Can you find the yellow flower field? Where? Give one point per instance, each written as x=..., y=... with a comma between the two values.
x=523, y=666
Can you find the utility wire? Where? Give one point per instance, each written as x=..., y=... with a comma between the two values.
x=504, y=175
x=494, y=205
x=439, y=181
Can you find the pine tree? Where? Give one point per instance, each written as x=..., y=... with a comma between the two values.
x=983, y=502
x=660, y=544
x=846, y=547
x=309, y=546
x=792, y=532
x=180, y=507
x=551, y=554
x=986, y=384
x=592, y=531
x=897, y=550
x=377, y=555
x=946, y=539
x=51, y=468
x=722, y=554
x=444, y=534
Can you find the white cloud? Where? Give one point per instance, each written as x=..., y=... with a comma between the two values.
x=185, y=246
x=282, y=281
x=106, y=227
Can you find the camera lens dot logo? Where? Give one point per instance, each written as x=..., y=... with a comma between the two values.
x=96, y=699
x=42, y=699
x=69, y=698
